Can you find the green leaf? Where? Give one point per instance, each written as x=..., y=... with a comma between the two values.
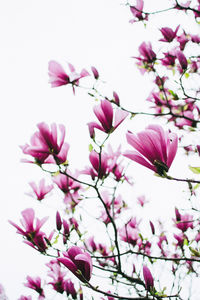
x=56, y=240
x=187, y=75
x=194, y=252
x=197, y=186
x=90, y=147
x=195, y=170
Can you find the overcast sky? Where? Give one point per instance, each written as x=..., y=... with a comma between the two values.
x=84, y=33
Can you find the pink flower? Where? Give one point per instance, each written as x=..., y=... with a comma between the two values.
x=58, y=221
x=35, y=284
x=155, y=147
x=168, y=34
x=95, y=72
x=25, y=298
x=104, y=113
x=58, y=76
x=183, y=222
x=97, y=170
x=69, y=187
x=137, y=12
x=182, y=60
x=149, y=282
x=142, y=200
x=35, y=237
x=45, y=147
x=78, y=262
x=41, y=190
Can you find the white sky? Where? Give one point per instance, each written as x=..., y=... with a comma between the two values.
x=84, y=33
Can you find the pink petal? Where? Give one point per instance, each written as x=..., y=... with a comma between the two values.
x=135, y=156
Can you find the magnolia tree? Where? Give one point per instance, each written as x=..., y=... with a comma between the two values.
x=122, y=260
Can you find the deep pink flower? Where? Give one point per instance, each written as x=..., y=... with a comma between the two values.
x=182, y=60
x=168, y=34
x=137, y=12
x=78, y=262
x=104, y=113
x=148, y=55
x=35, y=284
x=155, y=147
x=58, y=76
x=182, y=39
x=44, y=143
x=58, y=221
x=41, y=190
x=195, y=38
x=35, y=237
x=149, y=282
x=69, y=289
x=183, y=222
x=97, y=170
x=58, y=280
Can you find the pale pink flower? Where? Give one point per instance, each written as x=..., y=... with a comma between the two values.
x=155, y=147
x=41, y=190
x=142, y=200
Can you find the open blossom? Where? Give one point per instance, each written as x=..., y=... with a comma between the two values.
x=41, y=190
x=147, y=57
x=137, y=12
x=104, y=113
x=168, y=34
x=155, y=147
x=45, y=147
x=35, y=284
x=58, y=76
x=97, y=170
x=69, y=187
x=78, y=262
x=31, y=231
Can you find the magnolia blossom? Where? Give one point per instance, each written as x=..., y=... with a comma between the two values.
x=35, y=284
x=137, y=12
x=98, y=169
x=69, y=187
x=155, y=147
x=41, y=190
x=78, y=262
x=45, y=147
x=183, y=222
x=168, y=34
x=58, y=76
x=34, y=237
x=104, y=113
x=149, y=282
